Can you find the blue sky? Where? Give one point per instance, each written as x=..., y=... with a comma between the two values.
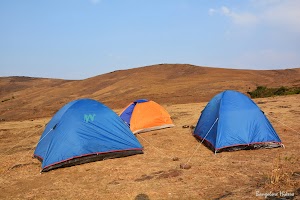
x=77, y=39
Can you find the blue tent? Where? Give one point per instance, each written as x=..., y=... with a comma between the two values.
x=232, y=121
x=82, y=131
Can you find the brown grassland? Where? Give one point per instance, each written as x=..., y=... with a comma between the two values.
x=184, y=91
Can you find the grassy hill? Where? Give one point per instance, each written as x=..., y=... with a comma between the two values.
x=30, y=98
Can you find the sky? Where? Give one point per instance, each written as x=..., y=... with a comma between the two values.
x=78, y=39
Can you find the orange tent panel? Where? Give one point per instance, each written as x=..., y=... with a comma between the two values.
x=147, y=116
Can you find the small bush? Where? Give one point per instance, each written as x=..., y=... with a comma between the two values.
x=263, y=91
x=281, y=91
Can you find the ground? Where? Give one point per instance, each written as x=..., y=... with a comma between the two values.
x=156, y=174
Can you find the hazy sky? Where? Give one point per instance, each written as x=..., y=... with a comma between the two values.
x=76, y=39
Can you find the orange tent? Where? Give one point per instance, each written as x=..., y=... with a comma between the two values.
x=143, y=115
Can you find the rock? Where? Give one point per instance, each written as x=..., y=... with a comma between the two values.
x=185, y=166
x=142, y=197
x=175, y=159
x=193, y=127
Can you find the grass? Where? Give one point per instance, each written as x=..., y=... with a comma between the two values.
x=263, y=91
x=155, y=175
x=281, y=174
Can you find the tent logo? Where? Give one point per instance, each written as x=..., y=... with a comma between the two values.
x=89, y=117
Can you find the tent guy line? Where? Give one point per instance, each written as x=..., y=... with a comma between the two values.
x=198, y=145
x=157, y=149
x=284, y=124
x=22, y=141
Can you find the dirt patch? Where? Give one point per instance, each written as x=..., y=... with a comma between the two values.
x=227, y=194
x=114, y=182
x=144, y=177
x=170, y=174
x=261, y=102
x=297, y=112
x=18, y=148
x=23, y=165
x=284, y=106
x=160, y=175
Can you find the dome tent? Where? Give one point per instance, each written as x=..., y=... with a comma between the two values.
x=143, y=115
x=83, y=131
x=232, y=121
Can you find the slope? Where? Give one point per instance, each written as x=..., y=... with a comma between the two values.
x=164, y=83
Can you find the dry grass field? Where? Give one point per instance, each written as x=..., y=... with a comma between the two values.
x=27, y=104
x=156, y=174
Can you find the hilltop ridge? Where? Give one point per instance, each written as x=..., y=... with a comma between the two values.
x=164, y=83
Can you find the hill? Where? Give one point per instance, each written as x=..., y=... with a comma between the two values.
x=30, y=98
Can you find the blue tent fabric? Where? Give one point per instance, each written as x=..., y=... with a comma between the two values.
x=126, y=115
x=141, y=101
x=83, y=128
x=233, y=121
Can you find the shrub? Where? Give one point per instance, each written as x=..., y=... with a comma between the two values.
x=263, y=91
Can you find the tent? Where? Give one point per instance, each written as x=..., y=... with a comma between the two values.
x=143, y=115
x=232, y=121
x=83, y=131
